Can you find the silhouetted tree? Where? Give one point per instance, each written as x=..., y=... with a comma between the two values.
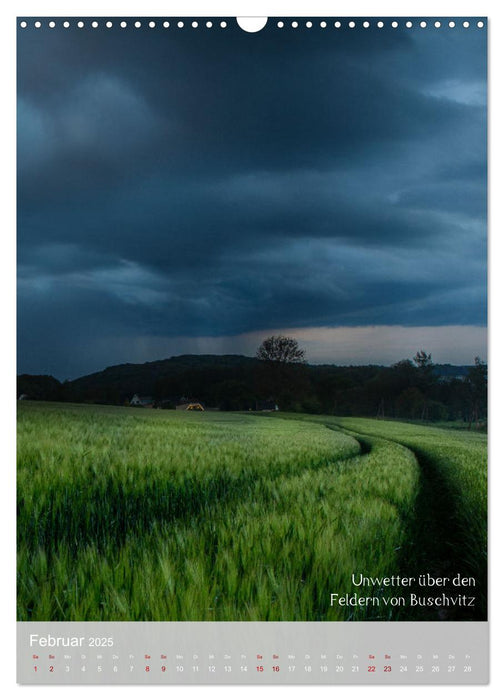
x=283, y=376
x=426, y=378
x=423, y=360
x=280, y=348
x=477, y=380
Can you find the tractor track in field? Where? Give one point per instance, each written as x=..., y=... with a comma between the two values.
x=436, y=542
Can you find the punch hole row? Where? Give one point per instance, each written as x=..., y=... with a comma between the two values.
x=209, y=24
x=352, y=24
x=222, y=24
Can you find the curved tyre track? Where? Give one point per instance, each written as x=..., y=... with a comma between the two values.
x=436, y=544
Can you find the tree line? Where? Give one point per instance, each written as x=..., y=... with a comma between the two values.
x=412, y=389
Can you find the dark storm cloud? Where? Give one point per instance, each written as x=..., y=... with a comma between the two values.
x=208, y=183
x=463, y=197
x=275, y=106
x=164, y=223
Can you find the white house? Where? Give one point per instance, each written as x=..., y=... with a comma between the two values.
x=143, y=401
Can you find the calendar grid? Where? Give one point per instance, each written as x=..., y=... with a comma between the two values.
x=253, y=653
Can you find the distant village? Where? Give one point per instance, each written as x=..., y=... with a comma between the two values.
x=186, y=404
x=412, y=389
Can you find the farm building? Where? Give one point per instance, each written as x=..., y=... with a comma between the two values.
x=193, y=406
x=142, y=401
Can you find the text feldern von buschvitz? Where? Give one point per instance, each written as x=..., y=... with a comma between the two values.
x=442, y=598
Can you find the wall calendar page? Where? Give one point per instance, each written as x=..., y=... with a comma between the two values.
x=252, y=350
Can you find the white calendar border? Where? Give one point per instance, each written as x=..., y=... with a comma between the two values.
x=427, y=8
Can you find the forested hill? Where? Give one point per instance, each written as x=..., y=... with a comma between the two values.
x=237, y=382
x=118, y=383
x=185, y=375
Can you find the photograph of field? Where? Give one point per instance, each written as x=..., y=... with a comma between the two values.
x=252, y=320
x=162, y=515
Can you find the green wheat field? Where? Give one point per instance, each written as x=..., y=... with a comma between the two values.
x=128, y=514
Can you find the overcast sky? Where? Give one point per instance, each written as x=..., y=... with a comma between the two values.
x=196, y=190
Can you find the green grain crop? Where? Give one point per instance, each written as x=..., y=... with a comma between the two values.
x=450, y=530
x=128, y=514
